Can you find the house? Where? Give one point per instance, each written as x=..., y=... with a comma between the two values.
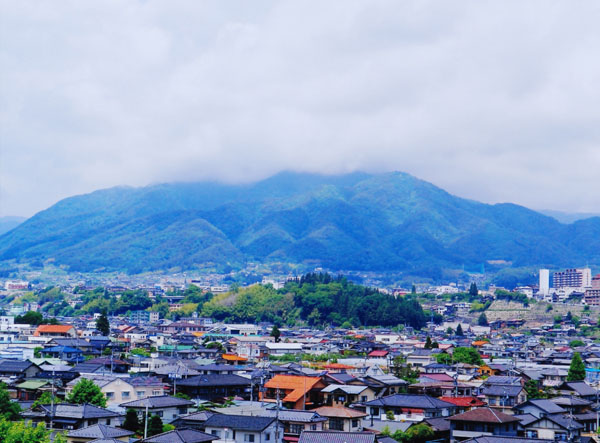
x=481, y=422
x=408, y=407
x=463, y=404
x=64, y=331
x=70, y=416
x=539, y=408
x=65, y=353
x=243, y=429
x=195, y=420
x=32, y=388
x=344, y=395
x=337, y=437
x=579, y=388
x=342, y=419
x=111, y=364
x=181, y=436
x=503, y=393
x=117, y=390
x=166, y=407
x=295, y=391
x=19, y=369
x=556, y=427
x=147, y=386
x=214, y=386
x=98, y=431
x=293, y=421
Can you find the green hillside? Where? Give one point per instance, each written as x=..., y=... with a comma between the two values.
x=384, y=222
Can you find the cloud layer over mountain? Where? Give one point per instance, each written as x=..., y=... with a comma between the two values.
x=496, y=101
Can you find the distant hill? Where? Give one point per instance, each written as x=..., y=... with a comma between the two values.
x=569, y=217
x=10, y=222
x=383, y=222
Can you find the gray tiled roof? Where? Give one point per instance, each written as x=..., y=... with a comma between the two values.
x=161, y=401
x=181, y=436
x=336, y=437
x=239, y=422
x=214, y=380
x=73, y=411
x=411, y=401
x=99, y=431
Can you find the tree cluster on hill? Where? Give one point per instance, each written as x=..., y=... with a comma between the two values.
x=512, y=296
x=318, y=299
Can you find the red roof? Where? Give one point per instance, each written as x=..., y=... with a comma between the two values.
x=463, y=401
x=378, y=353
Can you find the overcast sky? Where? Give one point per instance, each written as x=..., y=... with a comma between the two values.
x=496, y=101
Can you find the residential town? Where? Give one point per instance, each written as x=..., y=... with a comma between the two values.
x=462, y=377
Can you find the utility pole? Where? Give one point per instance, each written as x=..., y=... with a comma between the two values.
x=146, y=421
x=52, y=401
x=277, y=419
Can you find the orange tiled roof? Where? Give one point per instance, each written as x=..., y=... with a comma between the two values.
x=338, y=366
x=297, y=384
x=480, y=343
x=52, y=329
x=232, y=357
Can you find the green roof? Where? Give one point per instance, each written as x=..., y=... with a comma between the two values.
x=33, y=384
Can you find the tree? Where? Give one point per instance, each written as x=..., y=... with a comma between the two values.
x=473, y=290
x=413, y=289
x=85, y=391
x=577, y=369
x=132, y=421
x=461, y=355
x=45, y=399
x=482, y=320
x=155, y=426
x=9, y=410
x=276, y=333
x=428, y=344
x=102, y=324
x=533, y=390
x=29, y=318
x=19, y=432
x=576, y=343
x=459, y=330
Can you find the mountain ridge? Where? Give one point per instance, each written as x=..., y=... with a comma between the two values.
x=358, y=221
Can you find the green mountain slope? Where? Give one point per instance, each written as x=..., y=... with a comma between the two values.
x=352, y=222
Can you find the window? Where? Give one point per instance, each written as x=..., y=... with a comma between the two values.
x=531, y=434
x=110, y=395
x=363, y=398
x=183, y=410
x=336, y=424
x=296, y=428
x=249, y=438
x=268, y=436
x=108, y=422
x=313, y=427
x=125, y=395
x=156, y=392
x=141, y=394
x=159, y=413
x=216, y=433
x=355, y=423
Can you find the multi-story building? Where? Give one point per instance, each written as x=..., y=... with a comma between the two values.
x=592, y=296
x=573, y=278
x=140, y=317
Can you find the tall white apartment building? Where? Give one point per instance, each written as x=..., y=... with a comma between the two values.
x=544, y=282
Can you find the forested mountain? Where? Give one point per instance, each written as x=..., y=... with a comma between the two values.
x=383, y=222
x=7, y=223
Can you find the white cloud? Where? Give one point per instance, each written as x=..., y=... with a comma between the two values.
x=496, y=101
